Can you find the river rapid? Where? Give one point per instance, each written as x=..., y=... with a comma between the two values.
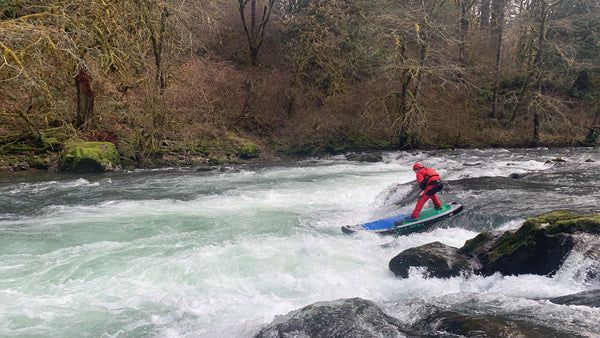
x=188, y=253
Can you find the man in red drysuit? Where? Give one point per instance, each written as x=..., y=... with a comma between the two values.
x=429, y=182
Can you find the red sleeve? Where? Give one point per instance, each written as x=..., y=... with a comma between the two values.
x=420, y=176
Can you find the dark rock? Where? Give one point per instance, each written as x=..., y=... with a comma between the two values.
x=540, y=247
x=588, y=298
x=353, y=317
x=515, y=176
x=537, y=253
x=556, y=160
x=356, y=317
x=450, y=324
x=441, y=261
x=480, y=243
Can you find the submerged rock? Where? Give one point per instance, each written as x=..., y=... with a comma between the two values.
x=353, y=317
x=359, y=318
x=540, y=247
x=588, y=298
x=516, y=176
x=453, y=324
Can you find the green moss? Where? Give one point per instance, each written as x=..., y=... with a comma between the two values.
x=89, y=157
x=216, y=161
x=556, y=216
x=38, y=162
x=590, y=224
x=249, y=151
x=475, y=243
x=511, y=242
x=561, y=221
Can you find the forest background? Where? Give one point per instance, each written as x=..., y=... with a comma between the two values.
x=193, y=82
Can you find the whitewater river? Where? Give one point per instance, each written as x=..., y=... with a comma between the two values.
x=187, y=253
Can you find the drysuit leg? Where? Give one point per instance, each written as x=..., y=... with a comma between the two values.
x=436, y=201
x=420, y=203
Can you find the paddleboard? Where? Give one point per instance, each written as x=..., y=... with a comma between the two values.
x=396, y=225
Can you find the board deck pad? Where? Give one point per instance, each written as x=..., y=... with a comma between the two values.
x=395, y=226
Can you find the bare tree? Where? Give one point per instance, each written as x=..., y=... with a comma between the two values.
x=485, y=13
x=155, y=15
x=498, y=26
x=466, y=7
x=416, y=28
x=255, y=30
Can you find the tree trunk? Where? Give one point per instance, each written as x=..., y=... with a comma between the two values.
x=534, y=58
x=499, y=24
x=254, y=33
x=536, y=129
x=85, y=100
x=464, y=30
x=158, y=46
x=497, y=17
x=485, y=13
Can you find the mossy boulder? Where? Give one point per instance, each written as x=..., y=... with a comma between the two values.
x=539, y=246
x=89, y=157
x=249, y=151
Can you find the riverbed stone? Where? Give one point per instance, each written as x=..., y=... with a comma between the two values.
x=89, y=157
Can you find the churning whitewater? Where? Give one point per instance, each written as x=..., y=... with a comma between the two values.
x=187, y=253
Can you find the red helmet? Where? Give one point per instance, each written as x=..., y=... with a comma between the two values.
x=417, y=166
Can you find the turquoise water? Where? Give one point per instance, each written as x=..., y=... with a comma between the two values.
x=183, y=253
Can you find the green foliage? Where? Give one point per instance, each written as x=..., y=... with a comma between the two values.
x=513, y=83
x=8, y=9
x=31, y=144
x=592, y=138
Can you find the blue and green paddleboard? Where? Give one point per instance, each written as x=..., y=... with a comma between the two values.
x=396, y=225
